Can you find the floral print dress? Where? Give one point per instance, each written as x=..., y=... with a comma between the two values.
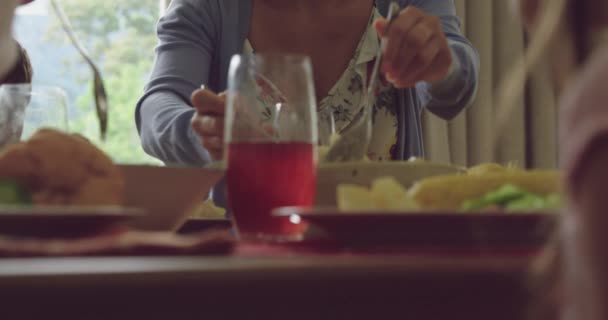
x=342, y=103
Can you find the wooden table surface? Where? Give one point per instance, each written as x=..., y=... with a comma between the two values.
x=296, y=287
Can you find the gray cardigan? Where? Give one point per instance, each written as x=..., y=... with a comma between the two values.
x=197, y=39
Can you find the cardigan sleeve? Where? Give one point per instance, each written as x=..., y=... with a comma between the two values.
x=447, y=98
x=450, y=96
x=187, y=34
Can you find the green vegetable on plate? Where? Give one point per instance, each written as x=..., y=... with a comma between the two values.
x=12, y=193
x=513, y=198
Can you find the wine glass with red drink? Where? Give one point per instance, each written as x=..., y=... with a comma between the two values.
x=271, y=142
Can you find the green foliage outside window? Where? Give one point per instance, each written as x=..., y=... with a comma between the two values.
x=120, y=35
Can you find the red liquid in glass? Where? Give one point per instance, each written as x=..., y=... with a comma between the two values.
x=265, y=176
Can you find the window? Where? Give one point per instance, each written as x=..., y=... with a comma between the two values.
x=120, y=35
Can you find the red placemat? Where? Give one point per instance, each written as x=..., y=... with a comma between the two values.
x=121, y=242
x=327, y=247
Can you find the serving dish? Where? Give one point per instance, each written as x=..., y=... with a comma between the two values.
x=427, y=228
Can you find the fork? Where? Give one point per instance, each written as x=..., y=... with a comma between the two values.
x=354, y=141
x=99, y=91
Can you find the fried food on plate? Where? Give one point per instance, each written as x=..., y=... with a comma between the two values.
x=352, y=197
x=57, y=168
x=451, y=191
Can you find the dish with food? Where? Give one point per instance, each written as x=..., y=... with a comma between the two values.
x=481, y=188
x=61, y=174
x=58, y=184
x=469, y=209
x=55, y=168
x=432, y=229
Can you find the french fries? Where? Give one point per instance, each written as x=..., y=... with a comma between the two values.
x=385, y=194
x=354, y=198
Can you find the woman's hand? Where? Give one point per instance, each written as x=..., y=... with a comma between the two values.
x=208, y=121
x=417, y=49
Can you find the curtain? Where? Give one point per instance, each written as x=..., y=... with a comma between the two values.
x=530, y=140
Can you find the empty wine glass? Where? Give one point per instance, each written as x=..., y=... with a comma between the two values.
x=25, y=108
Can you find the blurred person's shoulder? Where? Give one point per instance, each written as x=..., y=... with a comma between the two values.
x=22, y=71
x=588, y=92
x=583, y=113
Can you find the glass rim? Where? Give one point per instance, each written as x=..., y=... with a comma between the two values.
x=291, y=58
x=33, y=89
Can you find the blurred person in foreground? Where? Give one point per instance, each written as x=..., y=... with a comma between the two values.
x=572, y=35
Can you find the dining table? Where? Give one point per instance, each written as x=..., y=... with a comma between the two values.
x=257, y=281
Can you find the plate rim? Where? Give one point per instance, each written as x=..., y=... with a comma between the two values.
x=334, y=212
x=50, y=211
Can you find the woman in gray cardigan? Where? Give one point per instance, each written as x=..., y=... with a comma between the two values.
x=427, y=63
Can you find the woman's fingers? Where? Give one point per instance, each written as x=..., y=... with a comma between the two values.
x=208, y=125
x=213, y=126
x=207, y=102
x=416, y=45
x=397, y=36
x=211, y=132
x=208, y=121
x=420, y=67
x=417, y=48
x=215, y=147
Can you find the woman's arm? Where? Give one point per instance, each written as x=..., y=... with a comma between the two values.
x=448, y=97
x=187, y=35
